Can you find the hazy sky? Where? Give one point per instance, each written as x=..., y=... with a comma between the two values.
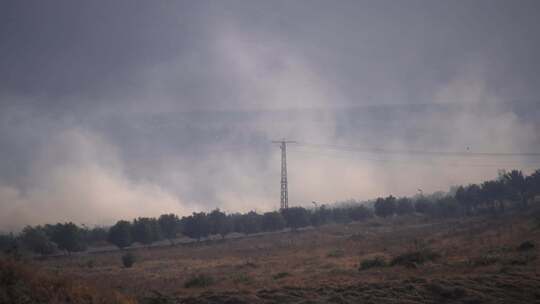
x=116, y=109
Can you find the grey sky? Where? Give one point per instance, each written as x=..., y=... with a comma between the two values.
x=170, y=105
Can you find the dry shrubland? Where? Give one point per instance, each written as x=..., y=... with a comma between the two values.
x=396, y=260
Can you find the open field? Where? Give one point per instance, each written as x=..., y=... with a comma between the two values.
x=472, y=260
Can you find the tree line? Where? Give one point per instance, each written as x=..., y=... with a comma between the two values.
x=510, y=191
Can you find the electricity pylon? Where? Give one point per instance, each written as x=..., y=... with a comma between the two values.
x=284, y=204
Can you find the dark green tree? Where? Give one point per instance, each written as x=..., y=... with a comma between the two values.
x=404, y=206
x=273, y=221
x=219, y=223
x=196, y=225
x=69, y=237
x=120, y=234
x=35, y=239
x=251, y=222
x=145, y=230
x=168, y=225
x=359, y=213
x=422, y=205
x=385, y=207
x=515, y=186
x=446, y=206
x=96, y=235
x=533, y=184
x=492, y=194
x=8, y=243
x=296, y=217
x=341, y=215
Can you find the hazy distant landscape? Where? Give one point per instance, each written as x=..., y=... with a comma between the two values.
x=478, y=243
x=309, y=151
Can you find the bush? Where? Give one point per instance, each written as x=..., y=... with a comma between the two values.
x=200, y=280
x=485, y=260
x=90, y=264
x=415, y=257
x=337, y=253
x=372, y=263
x=128, y=259
x=242, y=279
x=281, y=275
x=527, y=245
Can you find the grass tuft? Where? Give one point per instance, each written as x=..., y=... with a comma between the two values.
x=375, y=262
x=414, y=258
x=199, y=281
x=281, y=275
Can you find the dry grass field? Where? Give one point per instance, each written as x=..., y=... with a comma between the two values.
x=417, y=260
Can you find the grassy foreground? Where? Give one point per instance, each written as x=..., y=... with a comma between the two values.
x=400, y=260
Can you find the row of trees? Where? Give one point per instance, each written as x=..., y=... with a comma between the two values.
x=511, y=190
x=201, y=225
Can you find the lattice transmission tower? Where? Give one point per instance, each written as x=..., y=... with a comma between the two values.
x=284, y=203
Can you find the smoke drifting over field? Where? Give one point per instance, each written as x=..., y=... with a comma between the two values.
x=119, y=110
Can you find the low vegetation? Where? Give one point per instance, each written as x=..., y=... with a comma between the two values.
x=375, y=262
x=22, y=284
x=336, y=253
x=526, y=246
x=281, y=275
x=199, y=281
x=413, y=258
x=128, y=259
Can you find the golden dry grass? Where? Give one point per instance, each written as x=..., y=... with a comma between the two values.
x=251, y=269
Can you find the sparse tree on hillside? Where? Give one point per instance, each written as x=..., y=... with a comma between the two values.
x=96, y=235
x=446, y=207
x=296, y=217
x=463, y=200
x=68, y=237
x=404, y=206
x=422, y=205
x=273, y=221
x=251, y=222
x=320, y=216
x=196, y=225
x=533, y=184
x=359, y=213
x=145, y=230
x=385, y=207
x=35, y=239
x=120, y=234
x=168, y=225
x=492, y=193
x=7, y=241
x=515, y=186
x=341, y=215
x=219, y=223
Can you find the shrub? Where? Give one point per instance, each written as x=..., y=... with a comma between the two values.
x=527, y=245
x=281, y=275
x=337, y=253
x=200, y=280
x=484, y=260
x=415, y=257
x=372, y=263
x=128, y=259
x=242, y=279
x=90, y=263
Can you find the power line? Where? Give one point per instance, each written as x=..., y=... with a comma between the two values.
x=418, y=162
x=467, y=153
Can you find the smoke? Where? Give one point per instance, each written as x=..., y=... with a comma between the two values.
x=182, y=117
x=79, y=177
